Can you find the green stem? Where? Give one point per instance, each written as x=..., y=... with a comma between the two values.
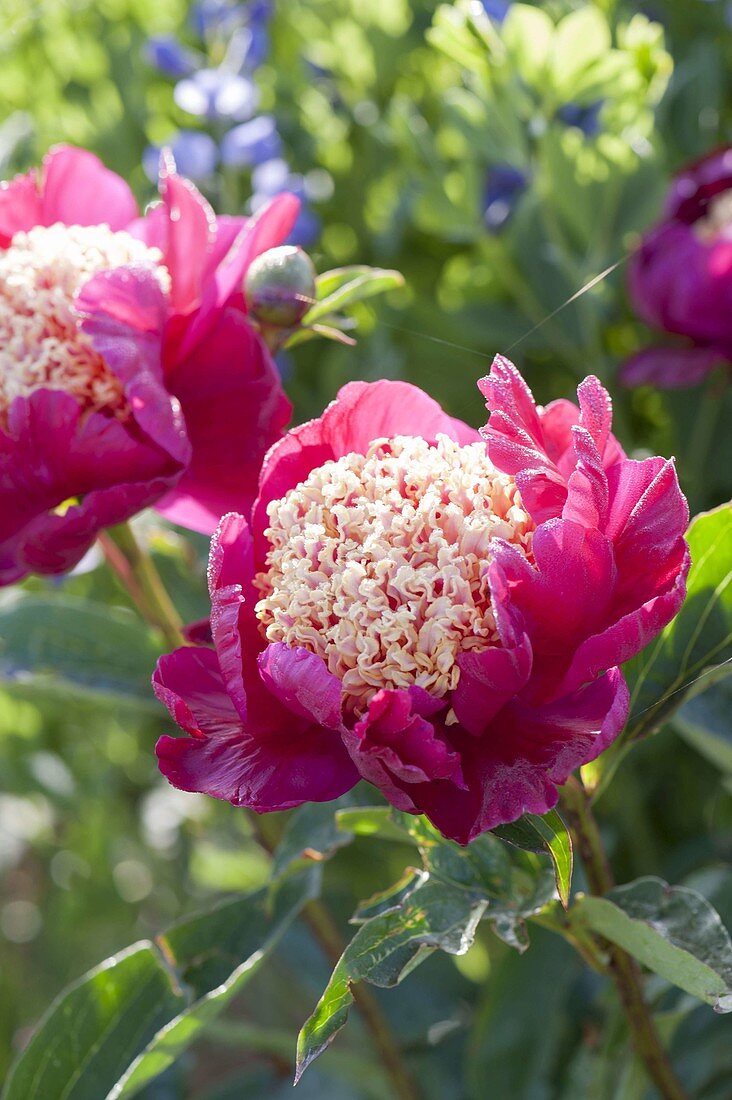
x=328, y=936
x=623, y=969
x=702, y=436
x=136, y=569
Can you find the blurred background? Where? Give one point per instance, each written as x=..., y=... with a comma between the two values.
x=499, y=191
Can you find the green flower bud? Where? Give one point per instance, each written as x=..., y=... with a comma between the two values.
x=279, y=287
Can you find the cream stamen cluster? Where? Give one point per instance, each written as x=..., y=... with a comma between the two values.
x=41, y=344
x=717, y=222
x=378, y=563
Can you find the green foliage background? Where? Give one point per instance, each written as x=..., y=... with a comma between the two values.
x=403, y=118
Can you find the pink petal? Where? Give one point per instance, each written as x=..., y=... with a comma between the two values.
x=50, y=454
x=393, y=745
x=191, y=231
x=234, y=409
x=123, y=312
x=77, y=189
x=270, y=227
x=525, y=755
x=302, y=683
x=223, y=760
x=20, y=206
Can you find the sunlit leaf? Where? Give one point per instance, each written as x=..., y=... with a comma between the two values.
x=126, y=1021
x=544, y=834
x=670, y=929
x=436, y=908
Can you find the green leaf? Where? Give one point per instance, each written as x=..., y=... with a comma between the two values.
x=379, y=821
x=437, y=908
x=581, y=39
x=74, y=646
x=344, y=287
x=126, y=1021
x=670, y=929
x=697, y=645
x=544, y=834
x=528, y=34
x=313, y=831
x=704, y=721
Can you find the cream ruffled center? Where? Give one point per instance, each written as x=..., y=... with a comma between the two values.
x=41, y=343
x=378, y=563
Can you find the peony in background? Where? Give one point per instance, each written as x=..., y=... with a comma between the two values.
x=501, y=157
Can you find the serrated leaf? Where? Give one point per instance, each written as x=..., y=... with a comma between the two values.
x=697, y=645
x=358, y=285
x=67, y=645
x=544, y=834
x=385, y=949
x=672, y=930
x=126, y=1021
x=437, y=908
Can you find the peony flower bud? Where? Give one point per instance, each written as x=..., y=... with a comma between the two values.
x=279, y=287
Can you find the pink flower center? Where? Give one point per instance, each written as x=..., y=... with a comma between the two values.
x=41, y=343
x=378, y=563
x=717, y=222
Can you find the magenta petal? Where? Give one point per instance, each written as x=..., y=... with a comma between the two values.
x=189, y=683
x=630, y=634
x=191, y=229
x=77, y=189
x=223, y=760
x=570, y=590
x=670, y=368
x=270, y=227
x=525, y=755
x=234, y=409
x=124, y=314
x=394, y=745
x=490, y=677
x=302, y=683
x=587, y=488
x=51, y=454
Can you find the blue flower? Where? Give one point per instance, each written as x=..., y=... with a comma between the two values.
x=218, y=16
x=166, y=53
x=251, y=143
x=196, y=155
x=269, y=179
x=497, y=9
x=585, y=117
x=504, y=185
x=215, y=94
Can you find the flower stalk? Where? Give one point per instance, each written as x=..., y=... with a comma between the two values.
x=326, y=933
x=623, y=969
x=136, y=569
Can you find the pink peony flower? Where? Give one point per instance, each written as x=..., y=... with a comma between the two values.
x=680, y=280
x=128, y=371
x=436, y=610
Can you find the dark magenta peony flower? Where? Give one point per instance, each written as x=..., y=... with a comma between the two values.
x=680, y=280
x=128, y=371
x=433, y=609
